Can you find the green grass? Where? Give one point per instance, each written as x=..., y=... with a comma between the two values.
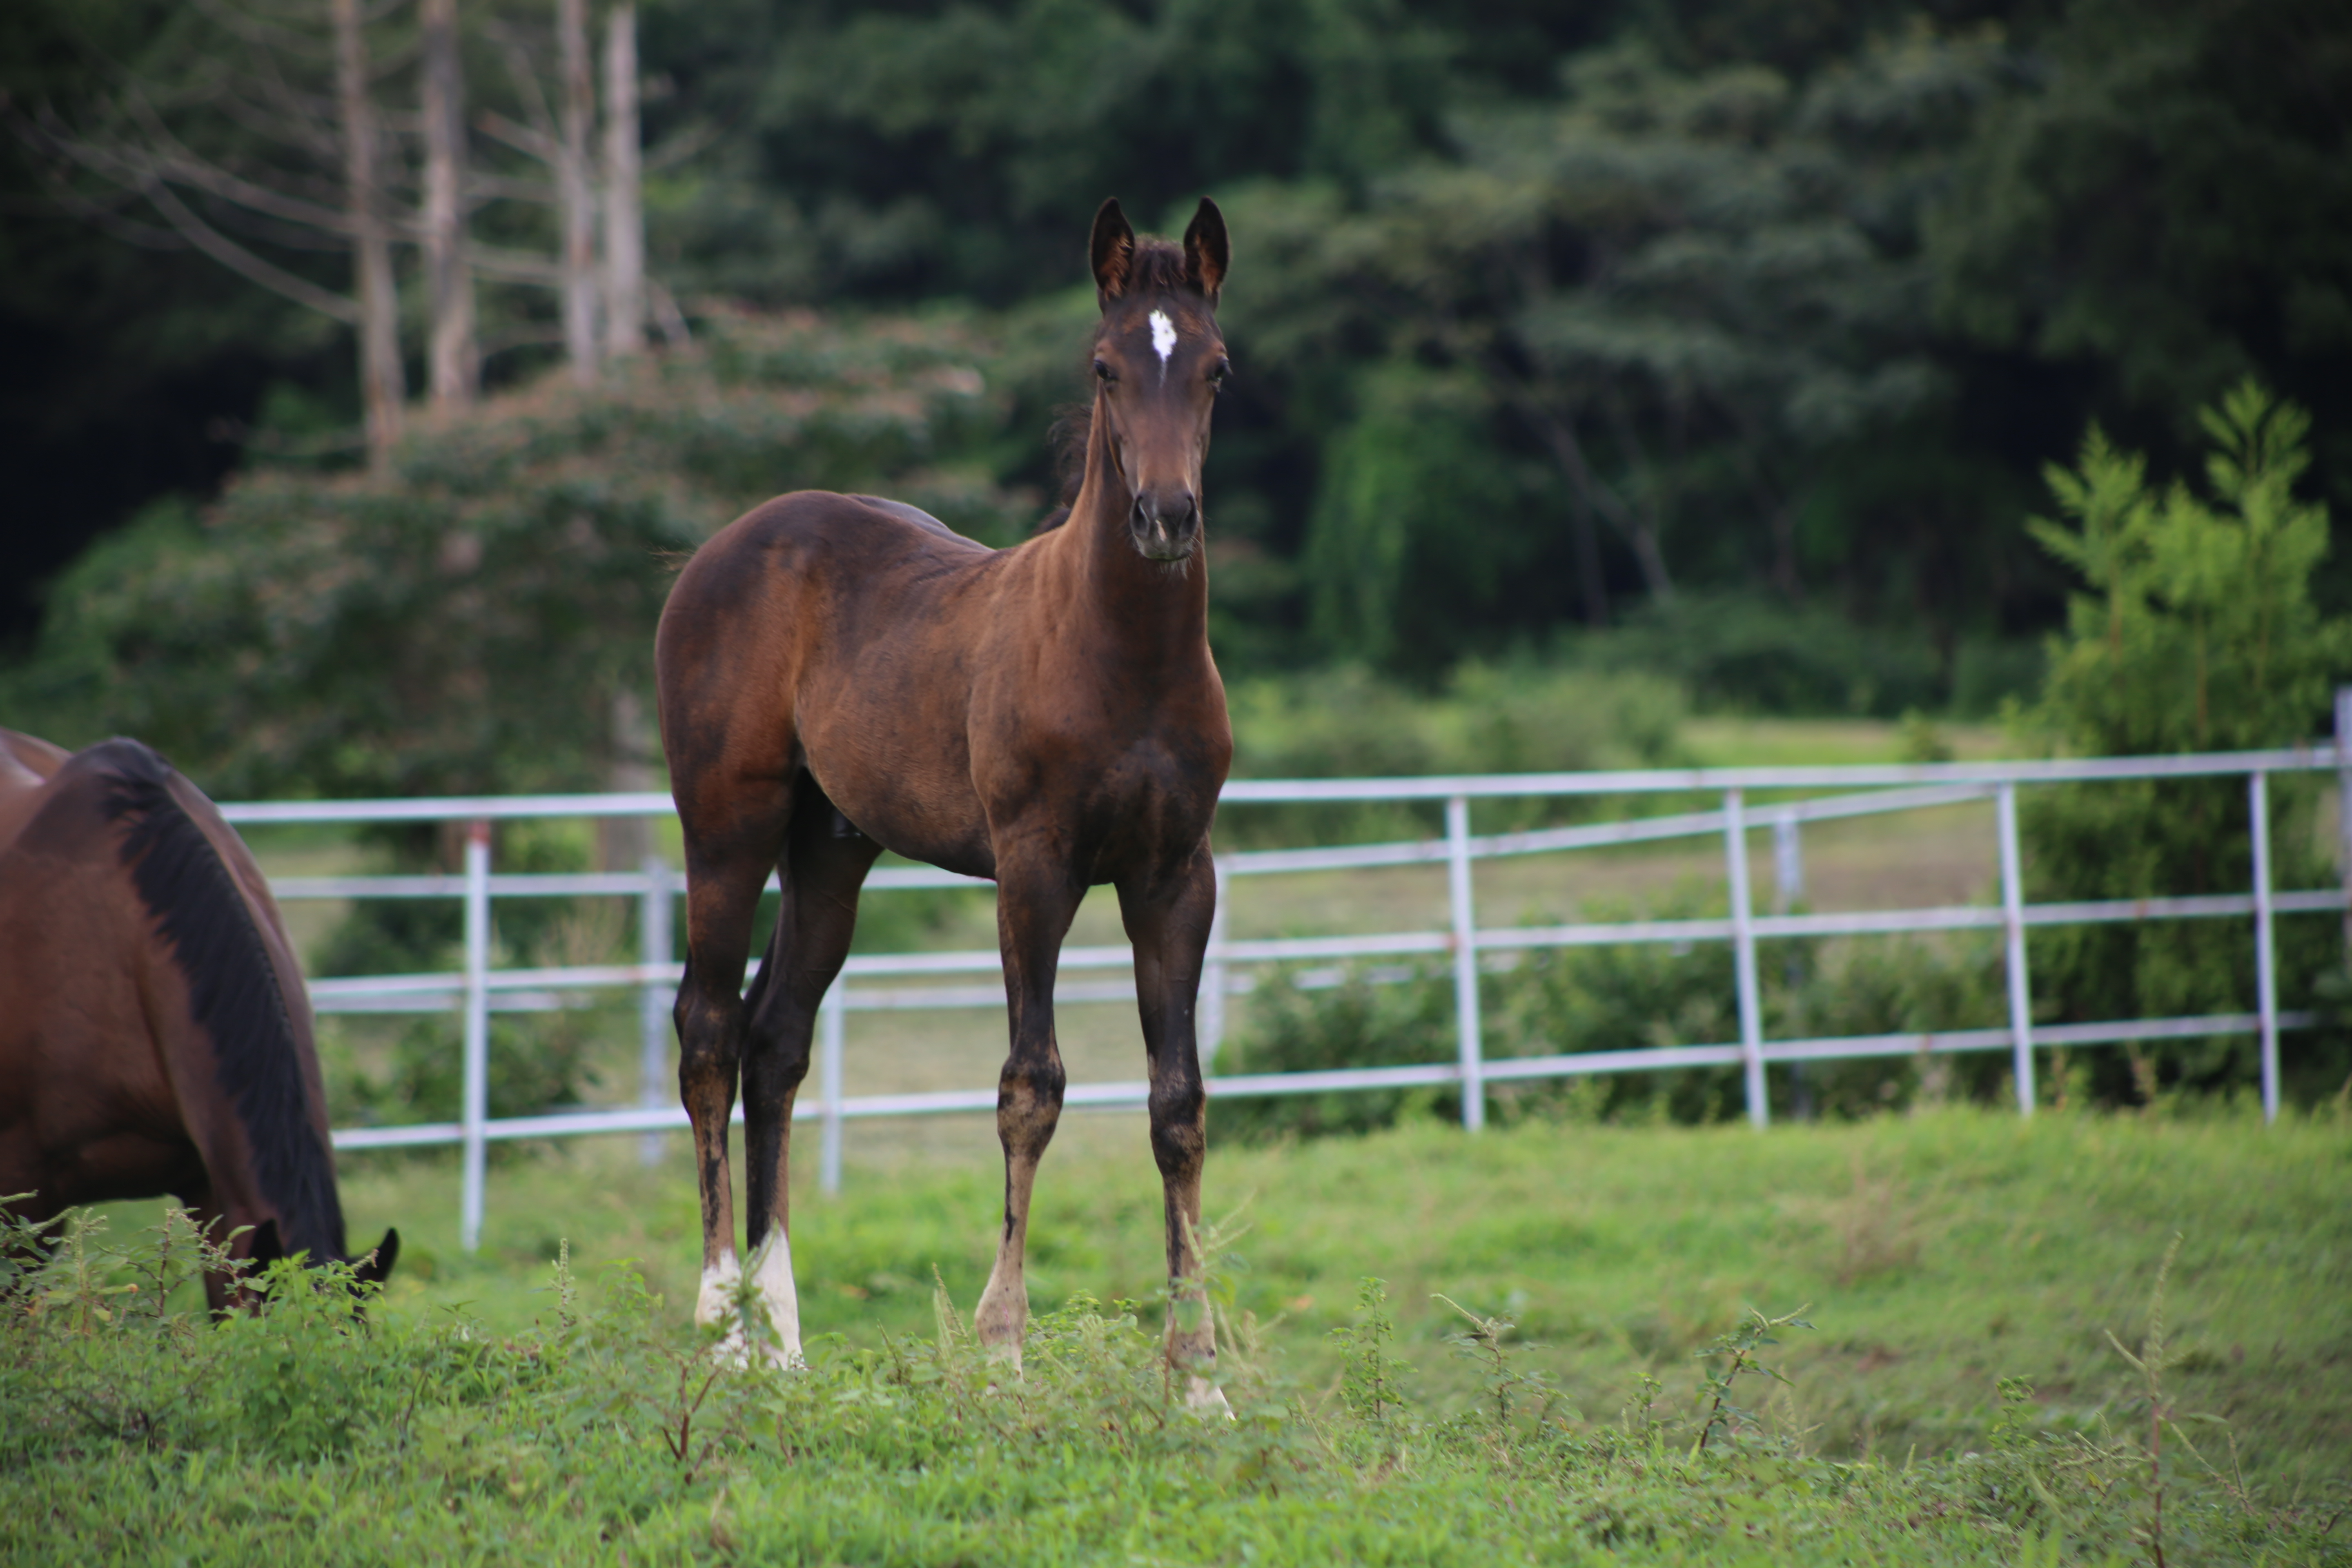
x=1936, y=1254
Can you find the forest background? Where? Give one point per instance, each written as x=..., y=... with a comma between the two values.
x=1744, y=330
x=376, y=361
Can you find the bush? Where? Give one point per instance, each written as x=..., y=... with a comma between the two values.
x=2198, y=634
x=1521, y=717
x=1312, y=1021
x=1751, y=653
x=1637, y=996
x=466, y=623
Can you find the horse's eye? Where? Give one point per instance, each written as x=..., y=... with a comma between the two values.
x=1102, y=371
x=1219, y=371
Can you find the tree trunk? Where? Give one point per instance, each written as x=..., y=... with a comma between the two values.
x=456, y=359
x=625, y=224
x=623, y=841
x=575, y=198
x=381, y=386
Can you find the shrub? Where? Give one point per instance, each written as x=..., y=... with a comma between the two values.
x=2198, y=633
x=1519, y=717
x=1631, y=997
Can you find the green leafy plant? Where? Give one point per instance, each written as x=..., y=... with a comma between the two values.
x=2199, y=631
x=1506, y=1384
x=1371, y=1379
x=1731, y=1356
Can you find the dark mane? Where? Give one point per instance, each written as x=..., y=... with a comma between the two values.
x=233, y=991
x=1067, y=439
x=1156, y=268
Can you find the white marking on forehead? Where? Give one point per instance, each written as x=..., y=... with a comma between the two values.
x=1163, y=338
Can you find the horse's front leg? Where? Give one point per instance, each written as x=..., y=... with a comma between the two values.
x=1167, y=919
x=1036, y=899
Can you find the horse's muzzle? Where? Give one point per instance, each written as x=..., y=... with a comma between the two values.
x=1166, y=526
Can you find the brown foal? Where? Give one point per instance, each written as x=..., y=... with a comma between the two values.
x=840, y=674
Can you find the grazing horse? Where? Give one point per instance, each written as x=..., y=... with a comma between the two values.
x=154, y=1035
x=840, y=674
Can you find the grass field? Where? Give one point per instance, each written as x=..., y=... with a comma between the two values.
x=1937, y=1254
x=1934, y=1256
x=1957, y=1397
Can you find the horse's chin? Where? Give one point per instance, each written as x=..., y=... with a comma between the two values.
x=1174, y=561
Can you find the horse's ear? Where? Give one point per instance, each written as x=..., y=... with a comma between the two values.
x=1112, y=249
x=376, y=1267
x=1206, y=253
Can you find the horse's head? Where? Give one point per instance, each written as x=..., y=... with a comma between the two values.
x=1159, y=360
x=369, y=1271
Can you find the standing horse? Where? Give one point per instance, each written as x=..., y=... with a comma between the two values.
x=155, y=1037
x=840, y=674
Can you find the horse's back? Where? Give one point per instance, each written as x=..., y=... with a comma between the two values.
x=796, y=580
x=837, y=635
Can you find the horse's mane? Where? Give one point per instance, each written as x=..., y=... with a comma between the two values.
x=1067, y=439
x=233, y=990
x=1157, y=266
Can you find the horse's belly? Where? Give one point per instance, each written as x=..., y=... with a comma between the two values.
x=950, y=840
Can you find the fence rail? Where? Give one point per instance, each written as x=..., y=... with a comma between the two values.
x=478, y=990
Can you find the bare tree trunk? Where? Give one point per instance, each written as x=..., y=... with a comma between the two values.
x=623, y=841
x=625, y=224
x=1586, y=487
x=381, y=386
x=456, y=359
x=577, y=198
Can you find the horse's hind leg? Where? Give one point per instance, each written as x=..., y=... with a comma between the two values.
x=726, y=860
x=825, y=861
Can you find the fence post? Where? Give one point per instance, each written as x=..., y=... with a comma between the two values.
x=2344, y=808
x=2266, y=956
x=1743, y=956
x=2012, y=916
x=1466, y=963
x=655, y=946
x=1787, y=864
x=476, y=1111
x=1212, y=977
x=830, y=1021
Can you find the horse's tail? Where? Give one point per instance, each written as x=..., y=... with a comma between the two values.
x=214, y=936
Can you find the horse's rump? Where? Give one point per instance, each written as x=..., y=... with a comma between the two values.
x=122, y=868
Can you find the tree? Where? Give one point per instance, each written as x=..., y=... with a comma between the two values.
x=2199, y=632
x=297, y=165
x=1696, y=296
x=471, y=620
x=2166, y=202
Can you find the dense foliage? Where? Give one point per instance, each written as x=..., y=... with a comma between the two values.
x=468, y=622
x=1539, y=317
x=1560, y=1001
x=2197, y=633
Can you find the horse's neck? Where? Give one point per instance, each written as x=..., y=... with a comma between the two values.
x=1150, y=611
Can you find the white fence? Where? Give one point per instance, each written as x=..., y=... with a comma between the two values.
x=478, y=990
